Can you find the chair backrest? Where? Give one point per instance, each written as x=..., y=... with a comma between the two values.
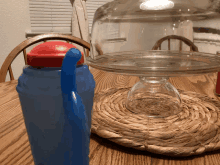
x=192, y=46
x=6, y=66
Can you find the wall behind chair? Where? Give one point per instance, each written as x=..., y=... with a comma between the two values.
x=14, y=21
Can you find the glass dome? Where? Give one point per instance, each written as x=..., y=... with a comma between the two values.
x=137, y=25
x=151, y=39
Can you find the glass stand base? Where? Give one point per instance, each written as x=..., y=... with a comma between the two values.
x=154, y=97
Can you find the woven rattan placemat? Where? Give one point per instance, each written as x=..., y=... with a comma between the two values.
x=193, y=131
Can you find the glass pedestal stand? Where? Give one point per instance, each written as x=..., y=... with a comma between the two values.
x=154, y=97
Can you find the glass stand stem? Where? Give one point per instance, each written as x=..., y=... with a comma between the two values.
x=154, y=97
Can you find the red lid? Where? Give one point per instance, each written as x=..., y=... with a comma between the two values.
x=49, y=54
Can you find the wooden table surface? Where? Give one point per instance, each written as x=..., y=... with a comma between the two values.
x=15, y=148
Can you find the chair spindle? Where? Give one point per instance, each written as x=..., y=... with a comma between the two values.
x=168, y=44
x=180, y=45
x=11, y=73
x=25, y=56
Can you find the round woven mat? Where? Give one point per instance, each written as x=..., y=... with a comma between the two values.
x=193, y=131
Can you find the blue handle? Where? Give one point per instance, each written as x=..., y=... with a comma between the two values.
x=68, y=70
x=76, y=132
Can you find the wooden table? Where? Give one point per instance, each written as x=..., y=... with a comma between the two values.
x=15, y=148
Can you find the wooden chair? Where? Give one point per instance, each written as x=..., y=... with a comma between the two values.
x=182, y=39
x=6, y=66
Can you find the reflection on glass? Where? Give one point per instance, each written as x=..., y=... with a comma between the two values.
x=156, y=5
